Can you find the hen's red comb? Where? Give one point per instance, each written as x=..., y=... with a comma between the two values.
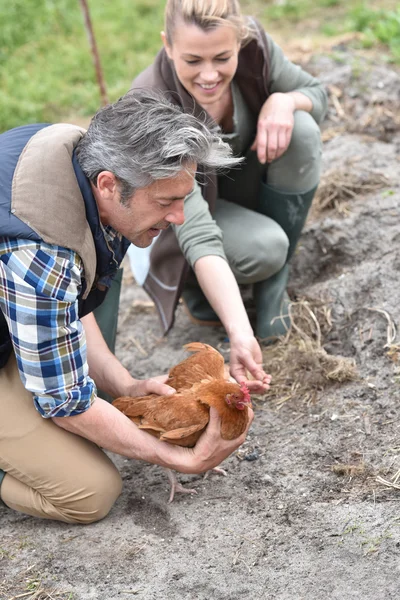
x=245, y=391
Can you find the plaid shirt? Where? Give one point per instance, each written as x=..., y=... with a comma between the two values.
x=39, y=289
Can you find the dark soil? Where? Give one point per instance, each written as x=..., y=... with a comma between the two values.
x=301, y=514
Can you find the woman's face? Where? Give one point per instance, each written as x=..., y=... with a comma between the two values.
x=205, y=61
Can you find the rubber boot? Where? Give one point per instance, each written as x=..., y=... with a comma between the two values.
x=197, y=305
x=107, y=319
x=290, y=211
x=272, y=306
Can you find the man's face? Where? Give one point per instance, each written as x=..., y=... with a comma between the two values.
x=151, y=209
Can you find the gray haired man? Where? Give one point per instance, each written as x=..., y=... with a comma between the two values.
x=70, y=203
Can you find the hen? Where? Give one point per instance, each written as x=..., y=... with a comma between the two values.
x=181, y=418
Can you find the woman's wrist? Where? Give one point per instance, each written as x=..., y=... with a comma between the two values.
x=300, y=101
x=238, y=332
x=288, y=97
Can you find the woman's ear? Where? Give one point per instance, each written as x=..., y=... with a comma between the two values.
x=166, y=45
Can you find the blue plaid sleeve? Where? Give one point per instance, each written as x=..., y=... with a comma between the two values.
x=39, y=288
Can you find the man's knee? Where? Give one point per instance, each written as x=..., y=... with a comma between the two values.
x=95, y=501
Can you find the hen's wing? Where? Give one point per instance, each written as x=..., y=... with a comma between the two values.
x=185, y=436
x=205, y=363
x=138, y=406
x=178, y=419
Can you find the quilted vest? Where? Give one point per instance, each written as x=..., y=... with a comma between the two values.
x=45, y=196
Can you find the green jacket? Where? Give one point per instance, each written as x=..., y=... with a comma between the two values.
x=262, y=70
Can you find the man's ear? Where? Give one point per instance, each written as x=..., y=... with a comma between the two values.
x=106, y=195
x=166, y=45
x=107, y=185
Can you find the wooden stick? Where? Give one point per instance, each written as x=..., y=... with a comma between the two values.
x=95, y=53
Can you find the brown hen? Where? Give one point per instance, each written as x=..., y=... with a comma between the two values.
x=181, y=418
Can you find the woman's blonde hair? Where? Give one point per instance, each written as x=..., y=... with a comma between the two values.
x=206, y=14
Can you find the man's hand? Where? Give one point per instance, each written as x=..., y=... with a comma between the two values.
x=108, y=372
x=274, y=127
x=154, y=385
x=246, y=356
x=210, y=449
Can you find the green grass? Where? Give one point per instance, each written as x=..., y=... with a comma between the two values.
x=46, y=70
x=380, y=25
x=46, y=66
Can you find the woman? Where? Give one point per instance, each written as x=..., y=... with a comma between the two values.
x=247, y=222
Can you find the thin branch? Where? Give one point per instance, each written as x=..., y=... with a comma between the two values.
x=95, y=53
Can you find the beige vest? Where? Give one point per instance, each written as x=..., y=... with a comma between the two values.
x=46, y=195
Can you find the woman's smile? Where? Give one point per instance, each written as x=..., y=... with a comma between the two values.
x=205, y=61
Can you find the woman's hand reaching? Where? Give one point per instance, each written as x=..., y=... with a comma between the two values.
x=246, y=356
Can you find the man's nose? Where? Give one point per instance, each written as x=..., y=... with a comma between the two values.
x=176, y=215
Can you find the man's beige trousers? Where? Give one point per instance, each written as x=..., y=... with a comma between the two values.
x=50, y=473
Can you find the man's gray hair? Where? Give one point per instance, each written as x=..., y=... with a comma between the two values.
x=143, y=137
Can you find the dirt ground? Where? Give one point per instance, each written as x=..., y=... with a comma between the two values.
x=302, y=514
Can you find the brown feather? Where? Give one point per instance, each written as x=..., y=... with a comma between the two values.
x=182, y=417
x=204, y=363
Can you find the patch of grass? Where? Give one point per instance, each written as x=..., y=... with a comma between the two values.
x=4, y=553
x=47, y=73
x=370, y=544
x=352, y=528
x=378, y=26
x=378, y=21
x=294, y=10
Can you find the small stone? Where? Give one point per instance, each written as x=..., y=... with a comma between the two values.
x=252, y=455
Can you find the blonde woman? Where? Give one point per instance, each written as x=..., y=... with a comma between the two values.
x=241, y=227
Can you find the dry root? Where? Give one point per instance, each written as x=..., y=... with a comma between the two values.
x=338, y=186
x=349, y=470
x=299, y=365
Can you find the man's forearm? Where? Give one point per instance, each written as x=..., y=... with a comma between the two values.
x=104, y=368
x=107, y=427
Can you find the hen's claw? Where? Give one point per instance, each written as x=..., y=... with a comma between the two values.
x=177, y=487
x=216, y=470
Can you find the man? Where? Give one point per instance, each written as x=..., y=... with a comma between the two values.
x=70, y=203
